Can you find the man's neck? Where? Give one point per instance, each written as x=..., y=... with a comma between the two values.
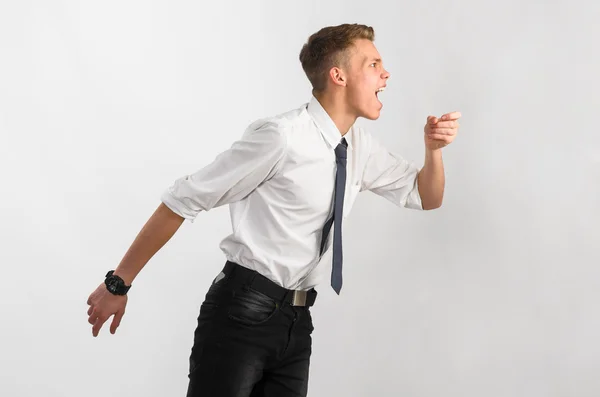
x=338, y=111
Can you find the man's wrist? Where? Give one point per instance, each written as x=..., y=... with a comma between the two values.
x=115, y=284
x=433, y=152
x=127, y=279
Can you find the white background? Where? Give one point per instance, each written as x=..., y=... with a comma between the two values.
x=104, y=104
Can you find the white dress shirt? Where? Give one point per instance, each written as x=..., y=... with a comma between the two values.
x=278, y=180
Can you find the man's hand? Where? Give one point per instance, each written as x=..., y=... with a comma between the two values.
x=440, y=132
x=103, y=304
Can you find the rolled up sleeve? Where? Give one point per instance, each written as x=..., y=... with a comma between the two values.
x=232, y=175
x=392, y=177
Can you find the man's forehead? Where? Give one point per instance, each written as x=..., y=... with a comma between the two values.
x=366, y=51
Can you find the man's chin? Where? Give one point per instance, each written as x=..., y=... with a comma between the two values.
x=370, y=111
x=372, y=115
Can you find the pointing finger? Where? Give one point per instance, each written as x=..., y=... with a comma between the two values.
x=451, y=116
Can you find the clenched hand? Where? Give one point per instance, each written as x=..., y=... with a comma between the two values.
x=440, y=132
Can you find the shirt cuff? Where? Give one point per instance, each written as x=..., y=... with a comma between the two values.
x=413, y=200
x=177, y=206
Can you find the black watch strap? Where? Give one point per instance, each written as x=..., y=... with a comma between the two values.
x=115, y=284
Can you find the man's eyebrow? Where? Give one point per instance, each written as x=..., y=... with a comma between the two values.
x=371, y=60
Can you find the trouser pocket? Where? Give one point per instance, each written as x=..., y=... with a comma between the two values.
x=251, y=307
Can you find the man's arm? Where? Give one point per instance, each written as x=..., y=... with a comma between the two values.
x=161, y=226
x=159, y=229
x=390, y=175
x=439, y=133
x=230, y=177
x=233, y=175
x=432, y=180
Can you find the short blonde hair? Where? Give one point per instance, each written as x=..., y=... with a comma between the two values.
x=328, y=48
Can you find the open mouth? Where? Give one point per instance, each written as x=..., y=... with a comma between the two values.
x=378, y=91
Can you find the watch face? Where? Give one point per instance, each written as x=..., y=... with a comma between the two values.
x=112, y=285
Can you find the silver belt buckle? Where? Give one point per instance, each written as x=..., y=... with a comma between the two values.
x=299, y=298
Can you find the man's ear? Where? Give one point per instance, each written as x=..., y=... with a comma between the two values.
x=337, y=76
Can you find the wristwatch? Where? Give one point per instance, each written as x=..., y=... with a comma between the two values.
x=115, y=284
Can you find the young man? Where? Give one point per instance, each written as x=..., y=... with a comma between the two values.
x=290, y=180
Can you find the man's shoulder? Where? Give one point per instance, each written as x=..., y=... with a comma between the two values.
x=297, y=114
x=281, y=121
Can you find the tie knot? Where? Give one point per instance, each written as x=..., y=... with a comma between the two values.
x=340, y=150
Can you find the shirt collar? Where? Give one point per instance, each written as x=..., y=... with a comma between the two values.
x=326, y=125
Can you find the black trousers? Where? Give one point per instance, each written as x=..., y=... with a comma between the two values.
x=248, y=344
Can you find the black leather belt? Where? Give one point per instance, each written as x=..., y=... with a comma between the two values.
x=258, y=282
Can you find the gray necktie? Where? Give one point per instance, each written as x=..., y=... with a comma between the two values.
x=338, y=209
